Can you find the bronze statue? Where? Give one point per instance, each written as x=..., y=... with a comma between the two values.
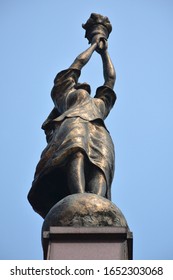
x=79, y=156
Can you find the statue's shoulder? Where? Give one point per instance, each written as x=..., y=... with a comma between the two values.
x=106, y=94
x=66, y=74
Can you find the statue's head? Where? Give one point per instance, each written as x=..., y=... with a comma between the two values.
x=84, y=86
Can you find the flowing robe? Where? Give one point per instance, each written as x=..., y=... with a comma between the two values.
x=76, y=124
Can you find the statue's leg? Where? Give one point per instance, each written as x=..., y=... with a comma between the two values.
x=75, y=173
x=96, y=182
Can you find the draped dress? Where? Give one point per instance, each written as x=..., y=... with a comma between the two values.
x=77, y=125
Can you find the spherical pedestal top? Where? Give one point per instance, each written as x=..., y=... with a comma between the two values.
x=84, y=210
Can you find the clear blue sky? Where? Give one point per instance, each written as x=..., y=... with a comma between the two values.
x=40, y=38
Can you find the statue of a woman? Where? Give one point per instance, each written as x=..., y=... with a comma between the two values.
x=79, y=156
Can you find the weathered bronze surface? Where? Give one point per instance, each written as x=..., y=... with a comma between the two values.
x=97, y=25
x=79, y=156
x=84, y=210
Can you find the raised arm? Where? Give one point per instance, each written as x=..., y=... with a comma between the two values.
x=108, y=68
x=82, y=59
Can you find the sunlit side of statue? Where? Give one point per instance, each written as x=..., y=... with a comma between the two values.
x=79, y=156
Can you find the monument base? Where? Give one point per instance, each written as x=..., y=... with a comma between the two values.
x=102, y=243
x=86, y=227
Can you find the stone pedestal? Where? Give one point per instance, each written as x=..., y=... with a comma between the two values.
x=86, y=227
x=102, y=243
